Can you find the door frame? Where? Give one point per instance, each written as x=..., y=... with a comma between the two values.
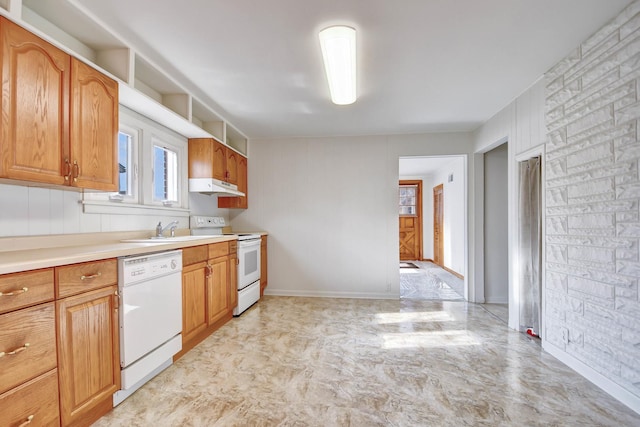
x=441, y=223
x=419, y=215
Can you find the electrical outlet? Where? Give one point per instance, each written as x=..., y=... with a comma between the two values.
x=565, y=335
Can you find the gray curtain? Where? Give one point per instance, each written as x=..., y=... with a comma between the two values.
x=529, y=245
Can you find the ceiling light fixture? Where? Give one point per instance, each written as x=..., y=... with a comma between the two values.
x=338, y=45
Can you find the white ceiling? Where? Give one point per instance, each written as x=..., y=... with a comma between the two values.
x=424, y=65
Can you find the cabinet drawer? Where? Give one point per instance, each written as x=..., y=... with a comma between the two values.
x=194, y=255
x=34, y=326
x=20, y=290
x=77, y=278
x=218, y=249
x=37, y=398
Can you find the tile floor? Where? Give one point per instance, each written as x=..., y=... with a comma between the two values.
x=292, y=361
x=430, y=282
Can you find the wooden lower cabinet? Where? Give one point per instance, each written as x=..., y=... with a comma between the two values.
x=233, y=275
x=32, y=403
x=218, y=295
x=208, y=272
x=88, y=355
x=194, y=309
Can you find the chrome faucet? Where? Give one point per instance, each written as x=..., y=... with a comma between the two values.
x=160, y=230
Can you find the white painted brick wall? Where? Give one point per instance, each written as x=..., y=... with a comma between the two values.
x=592, y=113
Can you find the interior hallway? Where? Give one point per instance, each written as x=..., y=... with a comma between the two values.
x=346, y=362
x=429, y=282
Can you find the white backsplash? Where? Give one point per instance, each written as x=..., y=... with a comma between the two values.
x=34, y=211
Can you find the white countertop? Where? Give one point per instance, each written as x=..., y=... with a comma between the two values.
x=23, y=259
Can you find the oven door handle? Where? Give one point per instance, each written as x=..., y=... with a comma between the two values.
x=249, y=243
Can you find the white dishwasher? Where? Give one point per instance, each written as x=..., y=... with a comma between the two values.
x=150, y=289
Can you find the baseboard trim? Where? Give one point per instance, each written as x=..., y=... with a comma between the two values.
x=496, y=300
x=429, y=260
x=458, y=275
x=325, y=294
x=615, y=390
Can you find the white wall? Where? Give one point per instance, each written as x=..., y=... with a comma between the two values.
x=496, y=236
x=330, y=207
x=454, y=215
x=34, y=211
x=592, y=197
x=590, y=178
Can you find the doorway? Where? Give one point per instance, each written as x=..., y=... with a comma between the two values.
x=496, y=231
x=421, y=278
x=410, y=219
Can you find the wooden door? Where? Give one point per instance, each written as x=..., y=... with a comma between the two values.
x=88, y=355
x=218, y=289
x=94, y=129
x=34, y=140
x=194, y=300
x=410, y=211
x=438, y=224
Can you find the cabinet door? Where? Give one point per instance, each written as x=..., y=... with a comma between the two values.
x=232, y=166
x=94, y=129
x=233, y=279
x=238, y=202
x=207, y=159
x=218, y=289
x=34, y=140
x=88, y=355
x=27, y=343
x=194, y=300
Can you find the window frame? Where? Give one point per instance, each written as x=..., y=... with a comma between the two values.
x=146, y=132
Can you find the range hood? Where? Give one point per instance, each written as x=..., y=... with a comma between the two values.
x=213, y=186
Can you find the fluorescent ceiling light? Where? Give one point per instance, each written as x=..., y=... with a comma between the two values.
x=339, y=52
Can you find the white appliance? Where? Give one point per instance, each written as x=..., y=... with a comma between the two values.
x=214, y=186
x=248, y=272
x=248, y=258
x=150, y=289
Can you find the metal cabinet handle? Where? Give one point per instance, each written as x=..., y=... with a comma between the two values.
x=29, y=419
x=16, y=351
x=92, y=276
x=76, y=171
x=13, y=293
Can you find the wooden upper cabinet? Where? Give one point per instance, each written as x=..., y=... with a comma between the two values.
x=59, y=120
x=94, y=128
x=34, y=140
x=207, y=159
x=238, y=202
x=210, y=159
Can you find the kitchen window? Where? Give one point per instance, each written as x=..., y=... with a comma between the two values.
x=127, y=166
x=165, y=175
x=152, y=170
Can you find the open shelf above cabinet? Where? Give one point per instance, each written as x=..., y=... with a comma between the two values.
x=206, y=119
x=143, y=86
x=83, y=38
